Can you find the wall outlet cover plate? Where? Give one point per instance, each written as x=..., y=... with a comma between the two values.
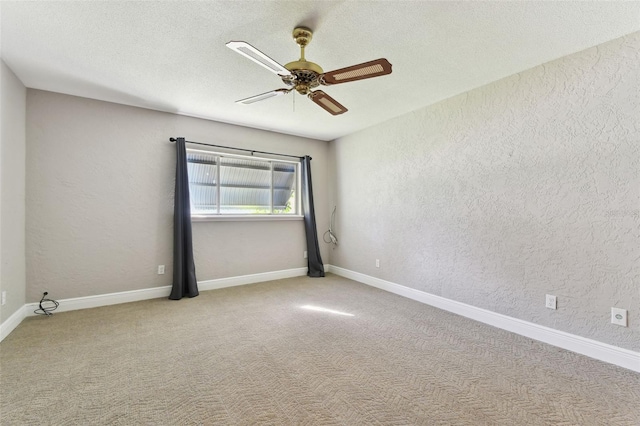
x=619, y=316
x=551, y=302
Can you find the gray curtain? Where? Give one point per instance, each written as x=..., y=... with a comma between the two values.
x=314, y=261
x=184, y=268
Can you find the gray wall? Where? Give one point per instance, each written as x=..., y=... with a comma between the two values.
x=526, y=186
x=100, y=180
x=12, y=191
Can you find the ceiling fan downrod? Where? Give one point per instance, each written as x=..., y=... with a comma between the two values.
x=302, y=36
x=306, y=73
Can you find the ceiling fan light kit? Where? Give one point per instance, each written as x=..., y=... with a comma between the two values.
x=303, y=76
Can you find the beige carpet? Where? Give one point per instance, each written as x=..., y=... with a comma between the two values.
x=254, y=355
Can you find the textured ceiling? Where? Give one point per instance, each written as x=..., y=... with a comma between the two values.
x=171, y=56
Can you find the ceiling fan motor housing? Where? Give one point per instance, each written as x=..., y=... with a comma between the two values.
x=303, y=79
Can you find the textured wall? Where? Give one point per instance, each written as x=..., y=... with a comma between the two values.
x=12, y=191
x=526, y=186
x=100, y=180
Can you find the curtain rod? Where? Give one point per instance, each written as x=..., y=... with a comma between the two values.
x=239, y=149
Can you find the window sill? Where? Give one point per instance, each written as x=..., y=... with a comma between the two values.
x=243, y=218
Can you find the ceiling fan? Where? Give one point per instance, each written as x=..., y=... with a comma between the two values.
x=303, y=76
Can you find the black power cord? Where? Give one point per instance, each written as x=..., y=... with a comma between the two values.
x=46, y=310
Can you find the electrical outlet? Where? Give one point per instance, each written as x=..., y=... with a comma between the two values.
x=305, y=254
x=377, y=263
x=619, y=316
x=551, y=302
x=4, y=297
x=160, y=269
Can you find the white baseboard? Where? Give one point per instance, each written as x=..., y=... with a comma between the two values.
x=250, y=279
x=87, y=302
x=144, y=294
x=12, y=322
x=591, y=348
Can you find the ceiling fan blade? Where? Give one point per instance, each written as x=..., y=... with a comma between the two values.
x=327, y=102
x=247, y=50
x=357, y=72
x=263, y=96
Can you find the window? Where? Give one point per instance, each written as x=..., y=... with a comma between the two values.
x=235, y=185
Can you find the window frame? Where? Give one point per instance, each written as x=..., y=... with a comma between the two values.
x=220, y=216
